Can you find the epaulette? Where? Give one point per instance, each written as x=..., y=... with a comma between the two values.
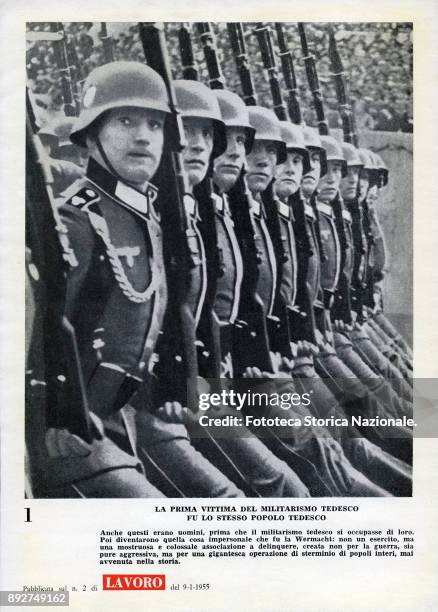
x=83, y=197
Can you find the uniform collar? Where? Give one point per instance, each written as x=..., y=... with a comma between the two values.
x=309, y=211
x=255, y=206
x=120, y=191
x=221, y=203
x=284, y=209
x=347, y=215
x=325, y=208
x=191, y=205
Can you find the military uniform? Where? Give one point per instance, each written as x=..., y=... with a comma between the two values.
x=115, y=298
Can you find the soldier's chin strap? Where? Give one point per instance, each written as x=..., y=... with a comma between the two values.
x=112, y=169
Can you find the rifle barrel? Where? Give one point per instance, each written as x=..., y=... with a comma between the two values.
x=65, y=72
x=155, y=50
x=235, y=32
x=189, y=70
x=287, y=64
x=342, y=91
x=312, y=78
x=208, y=41
x=263, y=33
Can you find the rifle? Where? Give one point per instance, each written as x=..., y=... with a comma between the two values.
x=312, y=78
x=300, y=319
x=342, y=297
x=208, y=41
x=253, y=345
x=64, y=69
x=209, y=358
x=235, y=32
x=190, y=71
x=287, y=64
x=175, y=234
x=350, y=136
x=263, y=33
x=342, y=91
x=58, y=369
x=107, y=43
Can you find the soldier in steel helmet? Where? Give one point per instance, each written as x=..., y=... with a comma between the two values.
x=268, y=151
x=116, y=292
x=227, y=176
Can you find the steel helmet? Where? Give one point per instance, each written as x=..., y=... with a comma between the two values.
x=374, y=171
x=198, y=101
x=334, y=152
x=267, y=127
x=351, y=155
x=115, y=85
x=382, y=169
x=235, y=114
x=366, y=159
x=312, y=140
x=372, y=167
x=294, y=138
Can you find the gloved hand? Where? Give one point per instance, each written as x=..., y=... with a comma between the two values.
x=63, y=443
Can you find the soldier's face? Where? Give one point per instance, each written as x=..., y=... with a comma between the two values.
x=196, y=155
x=310, y=180
x=350, y=183
x=329, y=183
x=260, y=165
x=288, y=175
x=132, y=139
x=227, y=167
x=364, y=183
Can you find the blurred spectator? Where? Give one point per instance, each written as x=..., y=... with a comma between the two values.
x=377, y=59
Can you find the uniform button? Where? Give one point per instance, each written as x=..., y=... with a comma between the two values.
x=76, y=200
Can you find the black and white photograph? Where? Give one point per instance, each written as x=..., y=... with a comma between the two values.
x=219, y=259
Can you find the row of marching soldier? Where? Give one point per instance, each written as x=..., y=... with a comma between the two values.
x=207, y=240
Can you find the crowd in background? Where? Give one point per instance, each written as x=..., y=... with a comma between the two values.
x=377, y=59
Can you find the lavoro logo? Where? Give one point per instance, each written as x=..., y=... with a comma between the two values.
x=134, y=582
